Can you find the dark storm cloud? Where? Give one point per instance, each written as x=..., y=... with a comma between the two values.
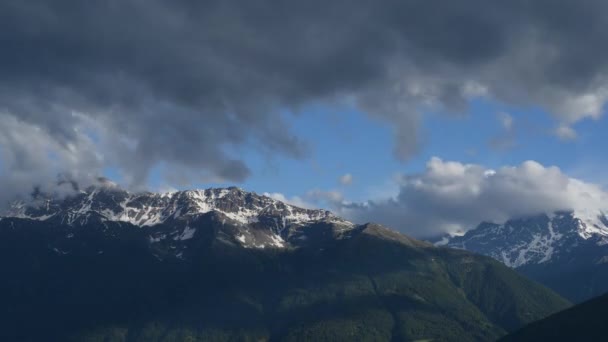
x=137, y=84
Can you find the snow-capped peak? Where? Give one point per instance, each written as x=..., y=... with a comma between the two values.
x=591, y=223
x=535, y=239
x=147, y=209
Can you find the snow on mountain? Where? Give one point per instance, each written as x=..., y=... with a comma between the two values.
x=260, y=220
x=536, y=239
x=148, y=209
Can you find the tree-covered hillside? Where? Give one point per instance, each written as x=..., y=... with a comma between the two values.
x=109, y=283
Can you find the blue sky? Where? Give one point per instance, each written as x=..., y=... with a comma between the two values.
x=350, y=142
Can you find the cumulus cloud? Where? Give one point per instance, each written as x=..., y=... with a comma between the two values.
x=186, y=83
x=346, y=179
x=450, y=197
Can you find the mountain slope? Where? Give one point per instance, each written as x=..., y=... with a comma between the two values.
x=582, y=322
x=202, y=275
x=565, y=251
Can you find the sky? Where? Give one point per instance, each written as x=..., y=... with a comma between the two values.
x=429, y=117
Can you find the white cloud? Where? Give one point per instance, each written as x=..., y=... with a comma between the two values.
x=346, y=179
x=331, y=197
x=294, y=200
x=506, y=139
x=565, y=132
x=31, y=158
x=451, y=196
x=313, y=199
x=506, y=120
x=574, y=107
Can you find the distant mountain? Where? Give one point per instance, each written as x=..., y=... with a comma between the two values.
x=565, y=251
x=229, y=265
x=582, y=322
x=267, y=222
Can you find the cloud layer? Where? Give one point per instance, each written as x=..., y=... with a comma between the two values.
x=137, y=85
x=449, y=197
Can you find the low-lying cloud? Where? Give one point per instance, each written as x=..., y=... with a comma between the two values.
x=451, y=197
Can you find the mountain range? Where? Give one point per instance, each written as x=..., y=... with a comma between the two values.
x=260, y=221
x=104, y=264
x=566, y=251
